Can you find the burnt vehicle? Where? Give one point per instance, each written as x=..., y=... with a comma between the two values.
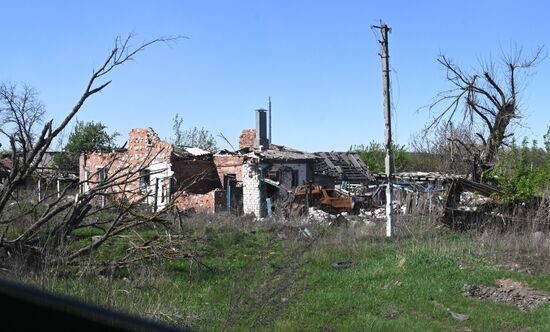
x=329, y=200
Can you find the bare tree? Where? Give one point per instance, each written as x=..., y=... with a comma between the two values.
x=21, y=115
x=449, y=148
x=487, y=101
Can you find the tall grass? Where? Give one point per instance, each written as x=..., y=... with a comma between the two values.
x=226, y=273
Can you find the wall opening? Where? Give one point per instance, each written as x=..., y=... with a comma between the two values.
x=144, y=180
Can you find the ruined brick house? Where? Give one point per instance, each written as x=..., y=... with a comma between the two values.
x=270, y=172
x=262, y=176
x=251, y=180
x=263, y=173
x=153, y=171
x=257, y=175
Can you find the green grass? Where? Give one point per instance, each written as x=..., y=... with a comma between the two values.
x=253, y=279
x=415, y=281
x=88, y=231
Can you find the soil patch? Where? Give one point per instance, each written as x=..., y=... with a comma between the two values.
x=509, y=292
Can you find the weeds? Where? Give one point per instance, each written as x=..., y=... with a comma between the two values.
x=226, y=273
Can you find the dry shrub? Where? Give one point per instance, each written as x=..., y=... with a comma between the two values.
x=417, y=226
x=348, y=238
x=522, y=251
x=200, y=222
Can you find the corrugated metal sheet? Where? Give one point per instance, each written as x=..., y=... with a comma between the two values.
x=197, y=151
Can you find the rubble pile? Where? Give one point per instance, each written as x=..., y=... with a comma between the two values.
x=316, y=214
x=380, y=213
x=509, y=292
x=470, y=201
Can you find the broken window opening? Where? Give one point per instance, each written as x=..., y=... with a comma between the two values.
x=229, y=179
x=86, y=185
x=102, y=173
x=295, y=178
x=144, y=180
x=162, y=192
x=173, y=187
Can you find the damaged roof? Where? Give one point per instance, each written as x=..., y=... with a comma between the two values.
x=343, y=166
x=191, y=152
x=278, y=152
x=196, y=151
x=275, y=152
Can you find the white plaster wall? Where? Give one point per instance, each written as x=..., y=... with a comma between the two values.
x=251, y=190
x=163, y=172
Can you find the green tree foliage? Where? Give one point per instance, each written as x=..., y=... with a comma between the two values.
x=194, y=137
x=524, y=171
x=85, y=137
x=90, y=136
x=374, y=156
x=424, y=162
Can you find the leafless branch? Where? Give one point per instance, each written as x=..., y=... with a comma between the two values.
x=55, y=216
x=488, y=99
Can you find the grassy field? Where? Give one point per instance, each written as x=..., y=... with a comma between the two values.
x=214, y=275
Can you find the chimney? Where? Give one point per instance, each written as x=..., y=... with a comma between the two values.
x=261, y=141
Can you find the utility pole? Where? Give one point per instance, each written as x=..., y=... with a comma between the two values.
x=269, y=109
x=384, y=29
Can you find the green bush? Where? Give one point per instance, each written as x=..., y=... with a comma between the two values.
x=523, y=171
x=374, y=156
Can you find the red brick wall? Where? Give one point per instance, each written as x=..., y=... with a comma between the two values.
x=211, y=202
x=228, y=164
x=246, y=140
x=145, y=143
x=144, y=148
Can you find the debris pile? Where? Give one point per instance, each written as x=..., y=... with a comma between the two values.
x=315, y=214
x=469, y=201
x=380, y=213
x=509, y=292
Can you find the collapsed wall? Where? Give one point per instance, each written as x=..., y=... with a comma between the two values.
x=211, y=202
x=229, y=165
x=142, y=171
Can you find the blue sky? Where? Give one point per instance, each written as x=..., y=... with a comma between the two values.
x=318, y=60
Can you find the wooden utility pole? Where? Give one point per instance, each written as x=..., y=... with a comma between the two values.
x=384, y=29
